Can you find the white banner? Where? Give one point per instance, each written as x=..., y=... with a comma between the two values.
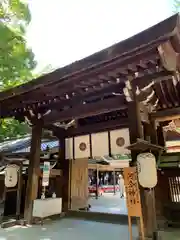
x=46, y=173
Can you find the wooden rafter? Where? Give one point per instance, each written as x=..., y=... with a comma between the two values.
x=156, y=76
x=155, y=35
x=139, y=58
x=65, y=84
x=80, y=97
x=98, y=123
x=84, y=110
x=98, y=127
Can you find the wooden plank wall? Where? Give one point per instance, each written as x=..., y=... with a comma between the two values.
x=167, y=193
x=79, y=184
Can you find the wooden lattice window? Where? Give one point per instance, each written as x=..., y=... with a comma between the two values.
x=174, y=186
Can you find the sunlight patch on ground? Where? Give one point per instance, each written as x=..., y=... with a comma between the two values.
x=15, y=227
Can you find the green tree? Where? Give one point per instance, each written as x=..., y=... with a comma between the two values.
x=177, y=5
x=16, y=59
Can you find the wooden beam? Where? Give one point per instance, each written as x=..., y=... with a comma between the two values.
x=79, y=97
x=67, y=76
x=168, y=56
x=57, y=131
x=145, y=80
x=102, y=167
x=85, y=110
x=97, y=127
x=93, y=93
x=166, y=114
x=33, y=176
x=86, y=96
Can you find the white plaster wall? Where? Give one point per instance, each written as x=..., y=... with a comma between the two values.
x=124, y=133
x=100, y=146
x=77, y=141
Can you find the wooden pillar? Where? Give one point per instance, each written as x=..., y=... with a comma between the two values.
x=153, y=132
x=59, y=179
x=19, y=193
x=136, y=130
x=65, y=167
x=150, y=134
x=135, y=125
x=33, y=171
x=157, y=137
x=160, y=135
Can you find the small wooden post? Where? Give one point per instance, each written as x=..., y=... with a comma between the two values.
x=19, y=191
x=33, y=173
x=97, y=177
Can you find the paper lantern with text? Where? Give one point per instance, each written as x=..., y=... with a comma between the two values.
x=11, y=176
x=147, y=171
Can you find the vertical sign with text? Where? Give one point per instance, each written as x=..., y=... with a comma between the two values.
x=133, y=199
x=46, y=173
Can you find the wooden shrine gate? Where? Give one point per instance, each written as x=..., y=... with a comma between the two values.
x=79, y=184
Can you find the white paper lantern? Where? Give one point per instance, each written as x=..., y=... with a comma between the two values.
x=147, y=171
x=11, y=176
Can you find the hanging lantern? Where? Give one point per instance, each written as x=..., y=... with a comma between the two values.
x=11, y=176
x=147, y=171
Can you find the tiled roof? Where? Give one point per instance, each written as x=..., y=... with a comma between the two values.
x=10, y=146
x=23, y=145
x=44, y=145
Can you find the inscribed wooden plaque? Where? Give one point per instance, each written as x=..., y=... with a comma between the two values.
x=132, y=192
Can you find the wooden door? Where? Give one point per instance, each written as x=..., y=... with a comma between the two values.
x=79, y=184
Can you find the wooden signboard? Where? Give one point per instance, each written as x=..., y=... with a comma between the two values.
x=133, y=198
x=46, y=173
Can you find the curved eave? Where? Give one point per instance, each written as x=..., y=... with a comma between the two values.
x=92, y=75
x=160, y=32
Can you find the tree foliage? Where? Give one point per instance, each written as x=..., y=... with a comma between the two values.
x=177, y=5
x=11, y=128
x=16, y=59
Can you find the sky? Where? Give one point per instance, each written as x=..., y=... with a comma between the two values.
x=63, y=31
